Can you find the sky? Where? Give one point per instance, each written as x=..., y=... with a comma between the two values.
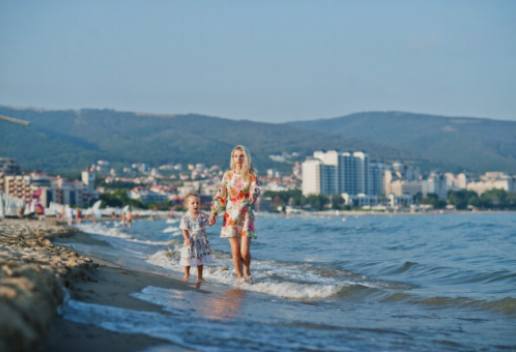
x=269, y=61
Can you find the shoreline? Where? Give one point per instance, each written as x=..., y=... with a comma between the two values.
x=344, y=213
x=36, y=276
x=110, y=285
x=33, y=275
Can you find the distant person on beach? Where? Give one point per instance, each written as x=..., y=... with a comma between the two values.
x=196, y=250
x=236, y=197
x=78, y=215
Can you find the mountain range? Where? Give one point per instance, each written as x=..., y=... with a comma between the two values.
x=69, y=140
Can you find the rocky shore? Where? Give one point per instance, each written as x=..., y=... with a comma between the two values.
x=33, y=273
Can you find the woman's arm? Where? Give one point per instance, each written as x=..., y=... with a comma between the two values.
x=220, y=200
x=254, y=189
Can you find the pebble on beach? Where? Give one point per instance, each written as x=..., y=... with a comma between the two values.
x=33, y=272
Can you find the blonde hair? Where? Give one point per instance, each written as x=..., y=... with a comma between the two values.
x=247, y=167
x=188, y=196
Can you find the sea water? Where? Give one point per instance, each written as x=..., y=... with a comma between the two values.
x=342, y=283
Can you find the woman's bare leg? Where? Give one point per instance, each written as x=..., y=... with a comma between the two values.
x=235, y=254
x=245, y=253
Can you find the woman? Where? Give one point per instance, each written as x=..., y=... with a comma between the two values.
x=236, y=196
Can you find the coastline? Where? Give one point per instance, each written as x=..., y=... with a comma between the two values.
x=36, y=276
x=33, y=275
x=109, y=285
x=344, y=213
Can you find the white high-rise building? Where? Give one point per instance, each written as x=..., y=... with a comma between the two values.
x=330, y=157
x=361, y=172
x=311, y=173
x=333, y=173
x=436, y=184
x=376, y=174
x=456, y=182
x=88, y=179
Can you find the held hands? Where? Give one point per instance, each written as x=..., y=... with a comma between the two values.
x=212, y=220
x=187, y=242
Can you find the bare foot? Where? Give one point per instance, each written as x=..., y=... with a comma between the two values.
x=248, y=279
x=186, y=278
x=198, y=284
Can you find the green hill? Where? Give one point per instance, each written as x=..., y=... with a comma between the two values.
x=64, y=141
x=453, y=143
x=68, y=140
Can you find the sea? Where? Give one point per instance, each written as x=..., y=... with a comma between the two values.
x=423, y=282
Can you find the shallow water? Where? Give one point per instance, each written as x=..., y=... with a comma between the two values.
x=358, y=283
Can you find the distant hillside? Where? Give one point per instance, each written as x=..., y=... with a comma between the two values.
x=455, y=143
x=68, y=140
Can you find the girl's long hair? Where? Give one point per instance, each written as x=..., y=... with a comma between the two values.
x=247, y=167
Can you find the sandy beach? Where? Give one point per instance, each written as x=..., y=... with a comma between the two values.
x=33, y=275
x=108, y=285
x=36, y=277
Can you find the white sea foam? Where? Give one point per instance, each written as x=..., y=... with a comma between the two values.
x=293, y=281
x=114, y=232
x=174, y=230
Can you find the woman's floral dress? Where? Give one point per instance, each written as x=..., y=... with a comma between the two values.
x=236, y=197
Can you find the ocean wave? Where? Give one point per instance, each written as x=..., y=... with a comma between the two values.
x=505, y=305
x=300, y=281
x=173, y=230
x=115, y=232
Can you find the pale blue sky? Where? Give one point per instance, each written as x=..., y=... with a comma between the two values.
x=261, y=60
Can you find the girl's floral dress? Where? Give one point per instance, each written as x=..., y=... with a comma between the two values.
x=236, y=197
x=199, y=251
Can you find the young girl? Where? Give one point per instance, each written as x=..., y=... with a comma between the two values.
x=236, y=197
x=196, y=249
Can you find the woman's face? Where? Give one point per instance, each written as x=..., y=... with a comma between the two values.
x=238, y=158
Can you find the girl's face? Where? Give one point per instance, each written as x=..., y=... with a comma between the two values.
x=239, y=158
x=194, y=204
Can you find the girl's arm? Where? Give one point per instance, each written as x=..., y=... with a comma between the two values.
x=186, y=237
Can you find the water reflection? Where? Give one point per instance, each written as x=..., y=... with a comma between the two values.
x=223, y=307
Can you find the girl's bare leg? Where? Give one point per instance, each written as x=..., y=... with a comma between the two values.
x=235, y=254
x=186, y=273
x=245, y=253
x=199, y=276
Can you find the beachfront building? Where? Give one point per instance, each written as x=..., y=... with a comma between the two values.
x=493, y=180
x=333, y=173
x=88, y=179
x=375, y=179
x=401, y=188
x=18, y=186
x=73, y=193
x=311, y=172
x=436, y=184
x=456, y=182
x=146, y=196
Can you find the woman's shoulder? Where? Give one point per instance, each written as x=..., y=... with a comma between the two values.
x=227, y=174
x=252, y=175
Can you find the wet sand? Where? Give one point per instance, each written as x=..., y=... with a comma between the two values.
x=110, y=285
x=35, y=277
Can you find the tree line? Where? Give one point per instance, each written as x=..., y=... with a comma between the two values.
x=495, y=199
